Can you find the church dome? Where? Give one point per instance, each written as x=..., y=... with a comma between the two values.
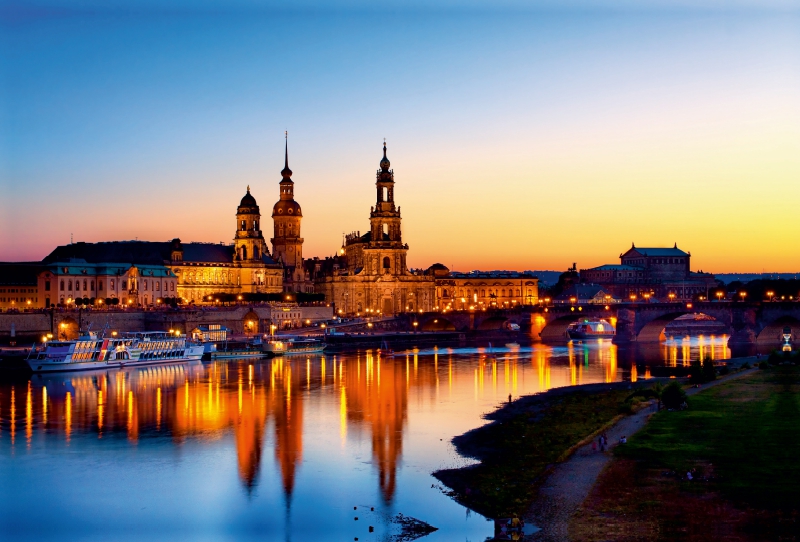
x=248, y=203
x=287, y=207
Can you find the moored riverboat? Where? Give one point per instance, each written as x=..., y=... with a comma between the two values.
x=286, y=346
x=591, y=328
x=238, y=349
x=126, y=350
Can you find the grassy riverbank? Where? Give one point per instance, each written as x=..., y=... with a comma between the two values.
x=741, y=438
x=526, y=437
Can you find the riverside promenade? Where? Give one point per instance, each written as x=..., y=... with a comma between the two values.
x=569, y=482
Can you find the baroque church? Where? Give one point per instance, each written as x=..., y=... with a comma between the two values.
x=370, y=274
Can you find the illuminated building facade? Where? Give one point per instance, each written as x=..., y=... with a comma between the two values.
x=483, y=289
x=658, y=273
x=371, y=274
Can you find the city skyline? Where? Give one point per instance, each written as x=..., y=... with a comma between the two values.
x=519, y=139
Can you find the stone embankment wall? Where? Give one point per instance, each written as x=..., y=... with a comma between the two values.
x=30, y=327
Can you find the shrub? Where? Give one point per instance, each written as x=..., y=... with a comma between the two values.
x=696, y=372
x=709, y=371
x=746, y=365
x=774, y=357
x=673, y=396
x=763, y=365
x=724, y=370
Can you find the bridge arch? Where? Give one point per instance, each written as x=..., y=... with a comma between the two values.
x=438, y=324
x=67, y=329
x=493, y=322
x=654, y=330
x=772, y=333
x=556, y=330
x=250, y=323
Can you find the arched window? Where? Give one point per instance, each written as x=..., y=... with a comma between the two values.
x=70, y=285
x=243, y=226
x=112, y=284
x=62, y=285
x=84, y=285
x=255, y=225
x=99, y=284
x=172, y=286
x=91, y=285
x=387, y=263
x=519, y=292
x=483, y=293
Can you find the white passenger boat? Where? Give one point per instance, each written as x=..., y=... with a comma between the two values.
x=591, y=328
x=127, y=350
x=292, y=345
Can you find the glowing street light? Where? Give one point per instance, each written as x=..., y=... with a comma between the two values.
x=719, y=296
x=742, y=295
x=770, y=294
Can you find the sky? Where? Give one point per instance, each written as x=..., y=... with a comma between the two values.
x=523, y=135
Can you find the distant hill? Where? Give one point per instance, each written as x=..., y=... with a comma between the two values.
x=727, y=278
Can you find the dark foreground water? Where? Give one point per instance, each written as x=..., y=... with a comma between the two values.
x=280, y=449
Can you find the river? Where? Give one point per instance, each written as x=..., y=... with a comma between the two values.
x=277, y=449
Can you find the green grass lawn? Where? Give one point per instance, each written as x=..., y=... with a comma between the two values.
x=746, y=431
x=514, y=454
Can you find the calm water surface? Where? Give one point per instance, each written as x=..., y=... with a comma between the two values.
x=279, y=449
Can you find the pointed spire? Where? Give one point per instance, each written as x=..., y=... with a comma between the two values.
x=384, y=148
x=676, y=245
x=286, y=173
x=248, y=188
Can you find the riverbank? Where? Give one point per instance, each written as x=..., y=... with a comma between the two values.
x=739, y=441
x=529, y=438
x=526, y=437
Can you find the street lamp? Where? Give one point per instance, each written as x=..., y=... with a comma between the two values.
x=770, y=294
x=633, y=298
x=415, y=326
x=719, y=296
x=742, y=295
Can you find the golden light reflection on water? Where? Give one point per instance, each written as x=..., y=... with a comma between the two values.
x=370, y=394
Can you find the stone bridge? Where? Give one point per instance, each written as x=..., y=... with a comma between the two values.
x=749, y=323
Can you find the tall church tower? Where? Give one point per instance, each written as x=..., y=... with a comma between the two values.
x=249, y=241
x=386, y=240
x=287, y=245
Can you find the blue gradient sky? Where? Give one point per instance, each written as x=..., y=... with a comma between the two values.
x=520, y=138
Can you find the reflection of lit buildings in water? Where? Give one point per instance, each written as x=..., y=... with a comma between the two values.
x=377, y=397
x=686, y=349
x=287, y=409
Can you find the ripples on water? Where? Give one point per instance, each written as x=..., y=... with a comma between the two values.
x=273, y=449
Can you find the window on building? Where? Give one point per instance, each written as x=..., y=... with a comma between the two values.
x=47, y=286
x=111, y=283
x=62, y=286
x=84, y=285
x=158, y=286
x=69, y=284
x=99, y=285
x=145, y=285
x=387, y=263
x=91, y=285
x=172, y=286
x=243, y=225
